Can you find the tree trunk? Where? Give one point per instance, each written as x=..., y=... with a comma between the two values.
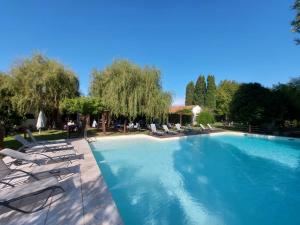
x=103, y=123
x=1, y=137
x=180, y=118
x=108, y=120
x=125, y=126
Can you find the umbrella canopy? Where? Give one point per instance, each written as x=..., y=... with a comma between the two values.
x=41, y=121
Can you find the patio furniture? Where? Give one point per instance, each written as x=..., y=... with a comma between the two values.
x=154, y=131
x=166, y=129
x=178, y=127
x=32, y=189
x=29, y=146
x=7, y=174
x=36, y=158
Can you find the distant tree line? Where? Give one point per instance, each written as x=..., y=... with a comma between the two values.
x=202, y=94
x=251, y=103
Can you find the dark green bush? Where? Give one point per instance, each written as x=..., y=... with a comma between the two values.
x=205, y=117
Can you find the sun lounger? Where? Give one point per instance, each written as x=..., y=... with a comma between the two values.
x=166, y=129
x=203, y=127
x=7, y=174
x=210, y=127
x=154, y=131
x=29, y=146
x=53, y=143
x=36, y=158
x=178, y=127
x=13, y=194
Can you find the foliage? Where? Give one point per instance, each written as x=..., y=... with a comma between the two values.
x=82, y=105
x=250, y=104
x=41, y=83
x=8, y=116
x=130, y=91
x=286, y=104
x=210, y=96
x=225, y=93
x=296, y=21
x=189, y=93
x=200, y=90
x=205, y=117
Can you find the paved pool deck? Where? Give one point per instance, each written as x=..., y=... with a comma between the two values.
x=86, y=200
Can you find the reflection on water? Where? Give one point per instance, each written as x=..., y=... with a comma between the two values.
x=202, y=180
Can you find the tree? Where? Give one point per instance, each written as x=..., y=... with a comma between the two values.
x=296, y=21
x=205, y=117
x=189, y=93
x=40, y=84
x=210, y=97
x=8, y=116
x=250, y=104
x=200, y=91
x=130, y=91
x=225, y=92
x=85, y=106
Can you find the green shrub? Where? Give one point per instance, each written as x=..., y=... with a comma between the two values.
x=205, y=117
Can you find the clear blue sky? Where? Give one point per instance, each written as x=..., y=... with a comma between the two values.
x=236, y=39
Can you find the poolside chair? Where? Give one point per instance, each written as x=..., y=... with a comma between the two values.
x=6, y=173
x=32, y=189
x=178, y=127
x=210, y=127
x=166, y=129
x=154, y=131
x=203, y=127
x=36, y=158
x=29, y=146
x=53, y=143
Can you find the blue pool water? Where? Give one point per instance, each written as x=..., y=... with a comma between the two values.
x=222, y=179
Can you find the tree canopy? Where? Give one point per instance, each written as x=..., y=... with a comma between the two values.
x=249, y=104
x=225, y=92
x=210, y=95
x=200, y=90
x=189, y=93
x=82, y=105
x=296, y=21
x=40, y=84
x=130, y=91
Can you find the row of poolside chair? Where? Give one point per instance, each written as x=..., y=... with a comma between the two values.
x=178, y=128
x=47, y=158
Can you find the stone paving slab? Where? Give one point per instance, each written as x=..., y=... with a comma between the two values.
x=86, y=200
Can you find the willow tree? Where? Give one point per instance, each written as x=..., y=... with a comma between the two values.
x=128, y=90
x=40, y=84
x=8, y=117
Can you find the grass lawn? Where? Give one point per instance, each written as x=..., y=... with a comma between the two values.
x=10, y=142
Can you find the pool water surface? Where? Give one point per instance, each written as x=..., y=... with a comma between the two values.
x=219, y=179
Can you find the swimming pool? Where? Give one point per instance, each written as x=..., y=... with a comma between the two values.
x=219, y=179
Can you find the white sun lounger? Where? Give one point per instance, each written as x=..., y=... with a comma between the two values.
x=178, y=127
x=154, y=131
x=166, y=129
x=37, y=147
x=54, y=143
x=210, y=127
x=37, y=158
